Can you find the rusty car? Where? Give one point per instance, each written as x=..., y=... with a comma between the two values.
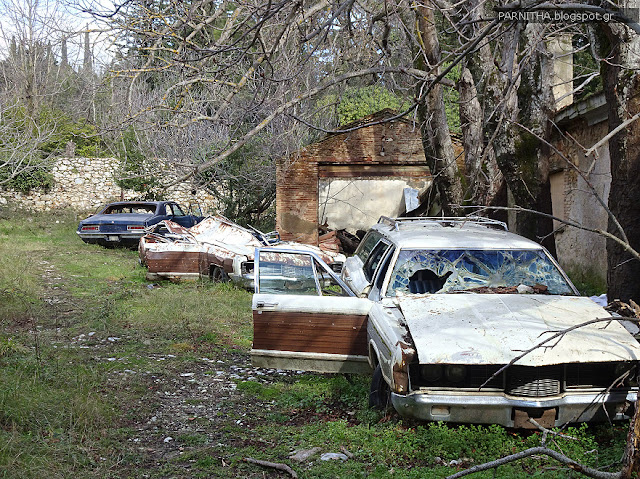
x=441, y=312
x=124, y=222
x=216, y=248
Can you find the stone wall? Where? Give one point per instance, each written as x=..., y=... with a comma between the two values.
x=84, y=184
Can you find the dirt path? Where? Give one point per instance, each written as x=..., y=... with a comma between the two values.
x=172, y=407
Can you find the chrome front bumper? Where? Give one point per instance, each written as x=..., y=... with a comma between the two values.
x=495, y=408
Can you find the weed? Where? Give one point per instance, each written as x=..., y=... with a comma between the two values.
x=72, y=409
x=588, y=282
x=192, y=439
x=9, y=346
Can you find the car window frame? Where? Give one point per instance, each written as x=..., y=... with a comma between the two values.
x=379, y=281
x=387, y=244
x=176, y=210
x=314, y=258
x=359, y=250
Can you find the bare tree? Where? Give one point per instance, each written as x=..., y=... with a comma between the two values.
x=215, y=77
x=621, y=78
x=38, y=86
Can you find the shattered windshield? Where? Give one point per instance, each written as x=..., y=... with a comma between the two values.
x=444, y=271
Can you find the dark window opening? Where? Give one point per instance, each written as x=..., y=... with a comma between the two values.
x=426, y=281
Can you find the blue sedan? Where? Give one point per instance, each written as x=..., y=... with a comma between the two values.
x=124, y=222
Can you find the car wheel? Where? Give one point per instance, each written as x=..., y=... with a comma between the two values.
x=379, y=394
x=218, y=275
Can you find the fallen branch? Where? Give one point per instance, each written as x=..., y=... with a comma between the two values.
x=613, y=132
x=570, y=463
x=274, y=465
x=559, y=334
x=547, y=432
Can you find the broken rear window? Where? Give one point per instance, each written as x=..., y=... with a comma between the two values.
x=138, y=208
x=445, y=271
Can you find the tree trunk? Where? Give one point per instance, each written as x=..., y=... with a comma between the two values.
x=483, y=175
x=523, y=96
x=484, y=178
x=622, y=89
x=436, y=137
x=631, y=458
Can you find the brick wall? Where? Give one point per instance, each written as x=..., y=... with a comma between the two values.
x=388, y=144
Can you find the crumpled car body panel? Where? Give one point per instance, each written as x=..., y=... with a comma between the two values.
x=172, y=252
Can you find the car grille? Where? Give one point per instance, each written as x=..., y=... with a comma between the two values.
x=527, y=381
x=534, y=382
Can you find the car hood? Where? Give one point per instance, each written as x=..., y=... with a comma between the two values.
x=496, y=328
x=122, y=218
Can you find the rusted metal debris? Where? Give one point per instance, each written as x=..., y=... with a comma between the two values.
x=626, y=310
x=216, y=248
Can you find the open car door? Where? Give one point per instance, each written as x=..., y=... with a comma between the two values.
x=305, y=317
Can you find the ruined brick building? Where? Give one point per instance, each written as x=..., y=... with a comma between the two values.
x=348, y=180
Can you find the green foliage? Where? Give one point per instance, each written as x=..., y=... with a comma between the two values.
x=245, y=185
x=358, y=102
x=134, y=175
x=452, y=101
x=9, y=346
x=23, y=167
x=37, y=177
x=584, y=65
x=588, y=281
x=83, y=134
x=35, y=140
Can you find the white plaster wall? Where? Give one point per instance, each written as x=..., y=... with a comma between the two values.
x=354, y=204
x=577, y=249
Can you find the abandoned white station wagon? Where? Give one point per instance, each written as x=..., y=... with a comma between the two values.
x=437, y=307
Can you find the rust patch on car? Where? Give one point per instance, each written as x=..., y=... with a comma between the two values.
x=544, y=417
x=401, y=367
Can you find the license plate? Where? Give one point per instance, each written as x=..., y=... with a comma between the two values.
x=113, y=238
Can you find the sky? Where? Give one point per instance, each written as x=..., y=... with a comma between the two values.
x=48, y=21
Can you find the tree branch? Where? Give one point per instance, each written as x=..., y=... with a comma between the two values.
x=274, y=465
x=561, y=458
x=606, y=234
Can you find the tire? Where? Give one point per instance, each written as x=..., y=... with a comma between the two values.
x=379, y=393
x=218, y=275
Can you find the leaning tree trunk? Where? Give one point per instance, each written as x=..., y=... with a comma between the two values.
x=621, y=81
x=484, y=179
x=631, y=459
x=518, y=96
x=436, y=137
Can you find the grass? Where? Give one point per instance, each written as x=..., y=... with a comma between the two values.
x=90, y=352
x=588, y=282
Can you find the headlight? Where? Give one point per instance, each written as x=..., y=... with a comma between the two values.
x=431, y=372
x=455, y=373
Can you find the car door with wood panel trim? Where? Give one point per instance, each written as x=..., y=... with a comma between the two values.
x=305, y=317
